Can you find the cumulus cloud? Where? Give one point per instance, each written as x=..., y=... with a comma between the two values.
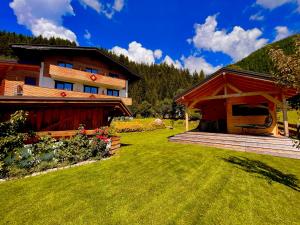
x=44, y=17
x=87, y=35
x=137, y=53
x=238, y=44
x=257, y=17
x=281, y=32
x=107, y=9
x=194, y=63
x=169, y=61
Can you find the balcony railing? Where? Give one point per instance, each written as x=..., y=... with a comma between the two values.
x=72, y=75
x=12, y=88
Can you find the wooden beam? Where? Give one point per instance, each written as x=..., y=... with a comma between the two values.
x=285, y=117
x=186, y=120
x=272, y=99
x=217, y=90
x=225, y=89
x=244, y=94
x=234, y=88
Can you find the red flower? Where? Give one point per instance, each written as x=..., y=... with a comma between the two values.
x=82, y=131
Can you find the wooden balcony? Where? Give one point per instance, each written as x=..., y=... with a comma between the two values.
x=13, y=88
x=73, y=75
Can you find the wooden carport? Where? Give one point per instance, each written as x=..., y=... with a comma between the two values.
x=218, y=96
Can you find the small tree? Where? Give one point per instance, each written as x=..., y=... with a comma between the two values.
x=287, y=71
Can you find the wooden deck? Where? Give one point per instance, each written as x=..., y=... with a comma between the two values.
x=276, y=146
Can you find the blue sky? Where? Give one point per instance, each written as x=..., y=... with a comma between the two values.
x=188, y=34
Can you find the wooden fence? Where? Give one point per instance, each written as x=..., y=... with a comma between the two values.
x=294, y=129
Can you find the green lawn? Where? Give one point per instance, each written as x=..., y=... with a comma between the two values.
x=151, y=181
x=293, y=116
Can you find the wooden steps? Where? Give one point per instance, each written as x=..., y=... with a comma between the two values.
x=277, y=146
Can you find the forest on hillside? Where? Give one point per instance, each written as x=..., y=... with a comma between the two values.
x=152, y=95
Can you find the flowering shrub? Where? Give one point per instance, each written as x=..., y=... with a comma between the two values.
x=18, y=158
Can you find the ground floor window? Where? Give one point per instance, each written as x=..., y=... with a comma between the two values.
x=63, y=85
x=112, y=92
x=90, y=89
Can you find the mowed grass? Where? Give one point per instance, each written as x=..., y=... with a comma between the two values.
x=152, y=181
x=293, y=116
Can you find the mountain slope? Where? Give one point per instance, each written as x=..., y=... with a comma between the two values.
x=259, y=61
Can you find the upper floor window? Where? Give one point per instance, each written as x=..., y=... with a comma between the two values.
x=30, y=81
x=90, y=89
x=64, y=64
x=91, y=70
x=112, y=92
x=114, y=75
x=63, y=85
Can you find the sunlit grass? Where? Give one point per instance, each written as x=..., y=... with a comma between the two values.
x=153, y=181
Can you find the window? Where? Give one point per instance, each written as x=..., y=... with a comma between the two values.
x=112, y=92
x=64, y=64
x=250, y=110
x=63, y=85
x=91, y=70
x=114, y=75
x=90, y=89
x=30, y=81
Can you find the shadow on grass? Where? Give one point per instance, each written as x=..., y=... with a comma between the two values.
x=125, y=145
x=269, y=173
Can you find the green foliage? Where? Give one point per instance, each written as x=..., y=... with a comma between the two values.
x=18, y=159
x=8, y=38
x=11, y=139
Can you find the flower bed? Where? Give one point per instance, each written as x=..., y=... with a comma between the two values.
x=137, y=125
x=17, y=158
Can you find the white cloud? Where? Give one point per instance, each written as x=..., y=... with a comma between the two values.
x=238, y=44
x=94, y=4
x=158, y=53
x=281, y=32
x=194, y=63
x=44, y=17
x=272, y=4
x=87, y=35
x=169, y=61
x=107, y=9
x=118, y=5
x=257, y=17
x=137, y=53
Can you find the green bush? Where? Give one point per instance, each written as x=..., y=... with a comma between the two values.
x=18, y=159
x=11, y=140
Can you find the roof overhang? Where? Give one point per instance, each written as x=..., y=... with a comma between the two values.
x=21, y=102
x=248, y=80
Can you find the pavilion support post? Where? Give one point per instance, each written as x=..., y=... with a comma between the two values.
x=285, y=116
x=186, y=119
